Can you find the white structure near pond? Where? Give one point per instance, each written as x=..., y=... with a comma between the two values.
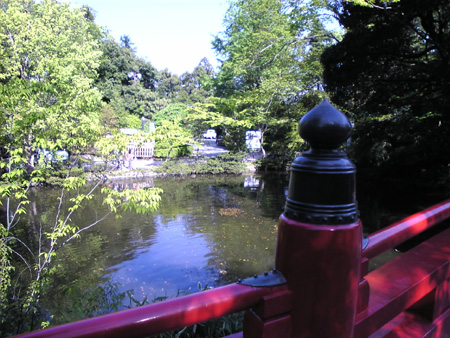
x=253, y=139
x=129, y=131
x=143, y=150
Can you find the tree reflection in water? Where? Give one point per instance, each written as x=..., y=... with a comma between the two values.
x=213, y=230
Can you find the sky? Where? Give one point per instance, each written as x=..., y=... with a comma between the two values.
x=172, y=34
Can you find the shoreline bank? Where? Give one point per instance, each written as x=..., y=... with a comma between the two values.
x=147, y=168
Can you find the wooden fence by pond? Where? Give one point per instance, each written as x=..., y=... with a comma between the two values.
x=321, y=286
x=143, y=150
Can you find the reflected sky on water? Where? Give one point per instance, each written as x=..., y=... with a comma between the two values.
x=207, y=230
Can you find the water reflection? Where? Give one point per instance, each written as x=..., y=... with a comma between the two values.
x=173, y=260
x=251, y=183
x=133, y=185
x=211, y=230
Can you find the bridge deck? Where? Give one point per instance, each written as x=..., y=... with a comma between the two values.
x=411, y=291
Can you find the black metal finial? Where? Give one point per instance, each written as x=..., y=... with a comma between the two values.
x=322, y=182
x=325, y=127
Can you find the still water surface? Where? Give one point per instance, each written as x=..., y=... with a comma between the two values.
x=208, y=230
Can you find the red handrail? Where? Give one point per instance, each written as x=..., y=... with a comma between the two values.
x=397, y=233
x=161, y=317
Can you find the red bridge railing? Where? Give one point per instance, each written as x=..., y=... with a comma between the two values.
x=165, y=316
x=410, y=295
x=321, y=286
x=394, y=235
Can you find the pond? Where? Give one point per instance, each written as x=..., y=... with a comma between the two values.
x=208, y=231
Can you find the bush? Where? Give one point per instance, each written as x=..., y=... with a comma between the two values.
x=182, y=151
x=227, y=163
x=58, y=176
x=275, y=162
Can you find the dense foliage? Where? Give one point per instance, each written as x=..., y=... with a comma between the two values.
x=48, y=64
x=49, y=56
x=227, y=163
x=66, y=84
x=270, y=72
x=391, y=73
x=127, y=84
x=132, y=88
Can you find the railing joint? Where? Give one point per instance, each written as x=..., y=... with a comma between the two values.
x=266, y=280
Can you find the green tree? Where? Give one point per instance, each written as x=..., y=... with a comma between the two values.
x=48, y=60
x=391, y=73
x=374, y=3
x=125, y=41
x=46, y=75
x=170, y=113
x=168, y=85
x=47, y=69
x=197, y=86
x=222, y=114
x=170, y=135
x=270, y=61
x=126, y=82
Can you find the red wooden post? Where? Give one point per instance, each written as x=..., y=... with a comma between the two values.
x=319, y=234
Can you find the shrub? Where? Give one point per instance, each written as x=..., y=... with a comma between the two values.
x=182, y=151
x=227, y=163
x=274, y=162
